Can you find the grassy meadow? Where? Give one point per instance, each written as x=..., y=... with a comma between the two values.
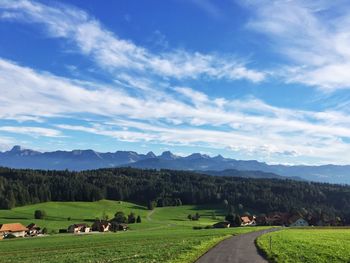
x=322, y=245
x=62, y=214
x=165, y=234
x=58, y=213
x=158, y=245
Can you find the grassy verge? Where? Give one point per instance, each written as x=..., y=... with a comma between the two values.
x=320, y=245
x=162, y=245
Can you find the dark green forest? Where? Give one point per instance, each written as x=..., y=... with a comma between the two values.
x=166, y=187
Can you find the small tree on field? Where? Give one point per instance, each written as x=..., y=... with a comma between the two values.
x=131, y=218
x=189, y=217
x=39, y=214
x=196, y=216
x=138, y=219
x=119, y=217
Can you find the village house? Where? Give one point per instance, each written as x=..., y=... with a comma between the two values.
x=223, y=224
x=101, y=226
x=16, y=229
x=248, y=221
x=298, y=221
x=78, y=228
x=33, y=230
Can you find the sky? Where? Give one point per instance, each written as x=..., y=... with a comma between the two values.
x=248, y=79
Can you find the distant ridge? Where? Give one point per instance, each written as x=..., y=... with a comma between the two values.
x=78, y=160
x=249, y=174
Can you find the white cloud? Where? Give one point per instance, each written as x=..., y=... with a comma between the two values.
x=6, y=143
x=32, y=131
x=114, y=54
x=251, y=125
x=313, y=35
x=153, y=116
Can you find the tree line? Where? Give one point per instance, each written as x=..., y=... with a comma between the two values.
x=166, y=187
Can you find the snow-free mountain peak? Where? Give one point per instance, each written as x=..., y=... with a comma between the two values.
x=168, y=155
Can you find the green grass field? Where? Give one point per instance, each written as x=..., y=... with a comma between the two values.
x=165, y=234
x=161, y=245
x=80, y=212
x=322, y=245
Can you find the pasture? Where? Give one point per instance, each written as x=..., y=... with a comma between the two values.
x=171, y=244
x=62, y=214
x=165, y=234
x=322, y=245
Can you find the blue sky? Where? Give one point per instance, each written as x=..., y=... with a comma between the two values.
x=256, y=79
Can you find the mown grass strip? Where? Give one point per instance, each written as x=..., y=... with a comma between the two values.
x=322, y=245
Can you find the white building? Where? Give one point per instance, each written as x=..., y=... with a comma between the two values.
x=300, y=222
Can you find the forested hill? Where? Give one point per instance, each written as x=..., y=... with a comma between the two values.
x=165, y=187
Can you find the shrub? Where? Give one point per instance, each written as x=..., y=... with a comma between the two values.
x=197, y=227
x=39, y=214
x=196, y=217
x=119, y=217
x=138, y=219
x=208, y=227
x=131, y=218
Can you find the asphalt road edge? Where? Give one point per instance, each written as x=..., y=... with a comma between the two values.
x=260, y=250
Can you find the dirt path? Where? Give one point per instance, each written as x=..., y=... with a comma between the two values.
x=150, y=214
x=237, y=249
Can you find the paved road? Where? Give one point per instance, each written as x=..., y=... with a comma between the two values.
x=237, y=249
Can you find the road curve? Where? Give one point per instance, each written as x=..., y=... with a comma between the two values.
x=236, y=249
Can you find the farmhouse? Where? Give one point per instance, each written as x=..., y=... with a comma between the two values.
x=78, y=228
x=15, y=229
x=33, y=230
x=298, y=222
x=248, y=221
x=101, y=226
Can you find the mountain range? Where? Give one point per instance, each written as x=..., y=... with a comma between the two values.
x=79, y=160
